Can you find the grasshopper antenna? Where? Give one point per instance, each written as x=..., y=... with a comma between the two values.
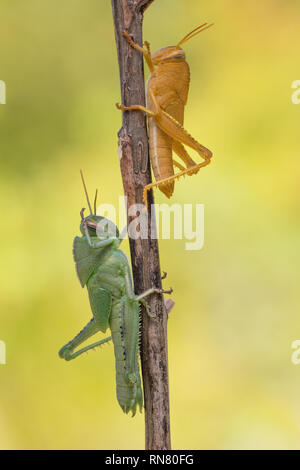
x=86, y=193
x=95, y=202
x=195, y=31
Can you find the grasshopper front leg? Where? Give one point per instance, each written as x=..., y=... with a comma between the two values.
x=146, y=53
x=100, y=244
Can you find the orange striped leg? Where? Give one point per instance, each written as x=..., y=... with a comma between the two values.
x=182, y=153
x=178, y=165
x=188, y=171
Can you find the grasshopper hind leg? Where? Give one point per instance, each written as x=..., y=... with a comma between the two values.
x=66, y=352
x=100, y=300
x=192, y=168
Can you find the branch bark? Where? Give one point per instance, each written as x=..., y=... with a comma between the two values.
x=133, y=151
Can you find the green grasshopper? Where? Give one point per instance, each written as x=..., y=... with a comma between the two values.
x=104, y=269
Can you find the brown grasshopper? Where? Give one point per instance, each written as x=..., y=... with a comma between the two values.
x=167, y=93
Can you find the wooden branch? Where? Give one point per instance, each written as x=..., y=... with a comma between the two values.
x=133, y=151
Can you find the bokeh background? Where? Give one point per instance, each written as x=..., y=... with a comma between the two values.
x=232, y=382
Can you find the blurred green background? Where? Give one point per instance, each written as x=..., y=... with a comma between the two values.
x=232, y=382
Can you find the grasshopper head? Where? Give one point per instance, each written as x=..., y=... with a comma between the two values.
x=168, y=54
x=98, y=226
x=176, y=53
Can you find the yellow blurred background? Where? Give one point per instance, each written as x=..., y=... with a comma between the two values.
x=232, y=382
